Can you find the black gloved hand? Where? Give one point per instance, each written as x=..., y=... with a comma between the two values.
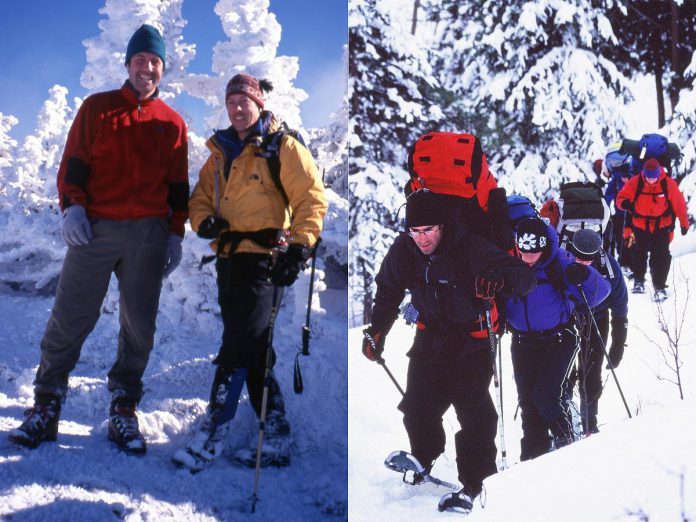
x=577, y=273
x=373, y=344
x=628, y=206
x=684, y=230
x=211, y=227
x=488, y=284
x=289, y=264
x=619, y=332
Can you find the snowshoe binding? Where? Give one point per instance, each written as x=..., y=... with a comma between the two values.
x=638, y=287
x=414, y=473
x=660, y=295
x=277, y=443
x=208, y=442
x=458, y=502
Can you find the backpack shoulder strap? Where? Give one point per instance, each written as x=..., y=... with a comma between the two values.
x=270, y=150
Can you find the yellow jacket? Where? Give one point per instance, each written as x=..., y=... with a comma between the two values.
x=249, y=200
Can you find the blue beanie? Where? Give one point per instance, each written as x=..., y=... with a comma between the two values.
x=146, y=39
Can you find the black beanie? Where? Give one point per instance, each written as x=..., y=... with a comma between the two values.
x=586, y=244
x=423, y=208
x=532, y=235
x=146, y=39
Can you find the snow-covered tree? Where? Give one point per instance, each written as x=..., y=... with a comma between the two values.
x=254, y=35
x=390, y=79
x=7, y=144
x=682, y=130
x=534, y=71
x=31, y=248
x=106, y=53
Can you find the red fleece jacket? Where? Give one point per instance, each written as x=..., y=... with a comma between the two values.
x=126, y=159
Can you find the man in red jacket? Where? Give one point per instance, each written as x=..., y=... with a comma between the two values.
x=654, y=201
x=123, y=188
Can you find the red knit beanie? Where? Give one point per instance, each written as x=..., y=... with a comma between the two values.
x=652, y=169
x=247, y=85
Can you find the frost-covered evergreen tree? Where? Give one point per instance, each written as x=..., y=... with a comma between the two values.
x=7, y=148
x=33, y=265
x=254, y=35
x=106, y=53
x=682, y=130
x=390, y=76
x=535, y=70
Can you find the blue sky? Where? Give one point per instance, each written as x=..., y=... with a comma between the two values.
x=42, y=46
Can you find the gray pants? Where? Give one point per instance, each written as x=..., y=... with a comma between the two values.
x=136, y=252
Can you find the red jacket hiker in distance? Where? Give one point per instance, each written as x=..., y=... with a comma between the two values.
x=651, y=202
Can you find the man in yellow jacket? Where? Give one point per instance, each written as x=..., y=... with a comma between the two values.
x=263, y=231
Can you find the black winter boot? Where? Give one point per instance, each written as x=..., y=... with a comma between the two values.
x=123, y=424
x=40, y=422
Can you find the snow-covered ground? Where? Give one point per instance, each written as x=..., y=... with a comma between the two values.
x=640, y=469
x=83, y=477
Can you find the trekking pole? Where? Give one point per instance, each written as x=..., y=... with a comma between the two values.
x=604, y=349
x=306, y=331
x=391, y=376
x=497, y=381
x=277, y=293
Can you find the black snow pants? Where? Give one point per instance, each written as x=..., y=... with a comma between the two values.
x=245, y=295
x=462, y=381
x=541, y=363
x=657, y=246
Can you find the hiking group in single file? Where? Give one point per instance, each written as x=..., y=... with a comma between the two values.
x=477, y=262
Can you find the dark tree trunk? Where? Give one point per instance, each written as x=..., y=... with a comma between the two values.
x=414, y=21
x=367, y=293
x=659, y=86
x=677, y=69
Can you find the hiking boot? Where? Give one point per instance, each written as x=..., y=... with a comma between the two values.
x=660, y=295
x=638, y=287
x=40, y=422
x=123, y=424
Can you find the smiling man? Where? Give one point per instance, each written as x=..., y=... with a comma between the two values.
x=254, y=181
x=123, y=188
x=450, y=272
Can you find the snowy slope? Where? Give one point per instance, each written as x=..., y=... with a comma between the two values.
x=82, y=477
x=631, y=467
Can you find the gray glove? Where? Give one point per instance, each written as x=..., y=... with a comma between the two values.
x=76, y=228
x=173, y=253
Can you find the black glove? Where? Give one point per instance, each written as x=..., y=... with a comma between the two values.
x=488, y=284
x=373, y=344
x=211, y=227
x=684, y=230
x=628, y=206
x=289, y=264
x=577, y=273
x=619, y=332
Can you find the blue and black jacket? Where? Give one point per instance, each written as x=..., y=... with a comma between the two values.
x=551, y=304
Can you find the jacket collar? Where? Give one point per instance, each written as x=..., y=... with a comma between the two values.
x=131, y=94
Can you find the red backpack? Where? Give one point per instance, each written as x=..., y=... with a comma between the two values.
x=450, y=163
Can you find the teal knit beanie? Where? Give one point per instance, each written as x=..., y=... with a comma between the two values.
x=146, y=39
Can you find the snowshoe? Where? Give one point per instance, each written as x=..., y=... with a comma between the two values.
x=414, y=473
x=660, y=295
x=208, y=442
x=123, y=425
x=40, y=423
x=277, y=442
x=459, y=502
x=638, y=287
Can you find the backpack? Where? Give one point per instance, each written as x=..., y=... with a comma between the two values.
x=581, y=205
x=454, y=166
x=653, y=146
x=519, y=208
x=656, y=219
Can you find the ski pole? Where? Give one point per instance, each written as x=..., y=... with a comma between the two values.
x=306, y=331
x=497, y=381
x=391, y=376
x=604, y=349
x=277, y=293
